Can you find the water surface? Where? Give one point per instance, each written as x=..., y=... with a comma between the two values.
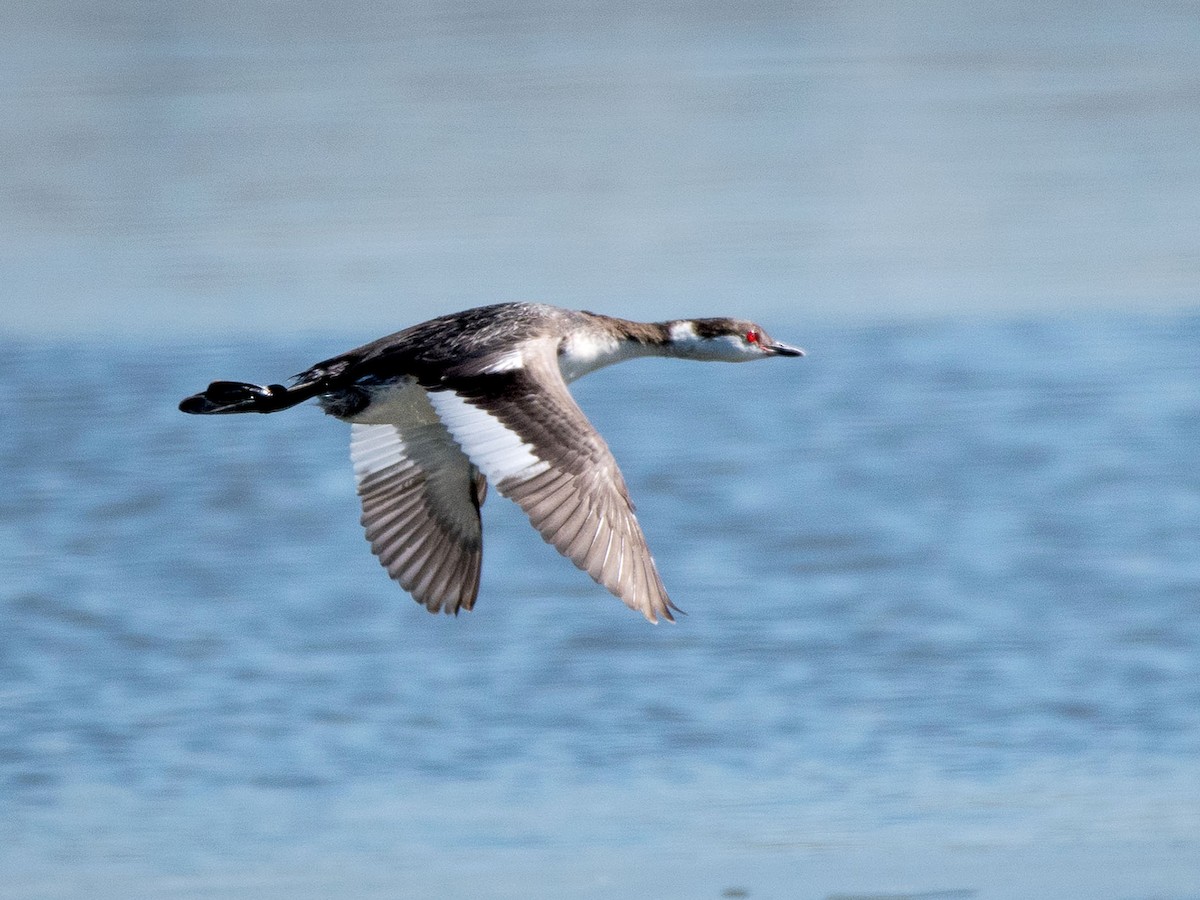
x=943, y=585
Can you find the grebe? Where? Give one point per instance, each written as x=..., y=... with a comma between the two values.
x=440, y=409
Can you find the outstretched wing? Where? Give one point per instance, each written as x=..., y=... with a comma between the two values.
x=420, y=499
x=518, y=423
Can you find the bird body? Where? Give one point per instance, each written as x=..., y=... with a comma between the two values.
x=440, y=409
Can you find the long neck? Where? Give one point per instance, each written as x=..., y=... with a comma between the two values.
x=607, y=340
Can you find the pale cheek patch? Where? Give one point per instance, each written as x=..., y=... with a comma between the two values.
x=738, y=347
x=497, y=451
x=731, y=348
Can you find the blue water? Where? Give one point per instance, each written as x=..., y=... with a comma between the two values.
x=943, y=634
x=943, y=578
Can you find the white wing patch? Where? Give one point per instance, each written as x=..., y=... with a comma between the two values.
x=420, y=456
x=426, y=452
x=374, y=448
x=506, y=362
x=530, y=438
x=499, y=452
x=420, y=499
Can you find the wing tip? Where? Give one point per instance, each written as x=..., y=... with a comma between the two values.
x=454, y=597
x=654, y=613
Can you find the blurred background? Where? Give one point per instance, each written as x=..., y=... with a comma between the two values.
x=943, y=574
x=261, y=166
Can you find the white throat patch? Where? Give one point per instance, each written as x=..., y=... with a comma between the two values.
x=684, y=333
x=588, y=351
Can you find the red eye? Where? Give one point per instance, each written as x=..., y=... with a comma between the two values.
x=752, y=337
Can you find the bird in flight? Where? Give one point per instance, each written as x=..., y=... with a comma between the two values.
x=440, y=409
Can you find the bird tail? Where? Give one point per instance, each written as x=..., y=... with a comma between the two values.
x=223, y=397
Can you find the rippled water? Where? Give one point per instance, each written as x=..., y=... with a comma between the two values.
x=943, y=585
